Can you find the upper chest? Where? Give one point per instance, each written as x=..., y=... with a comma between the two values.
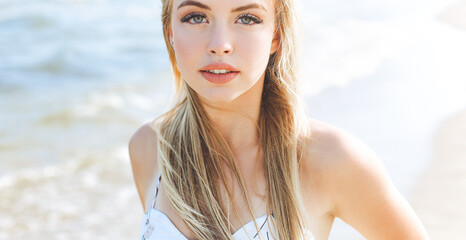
x=234, y=206
x=318, y=216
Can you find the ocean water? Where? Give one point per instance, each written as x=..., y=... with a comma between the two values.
x=78, y=77
x=389, y=72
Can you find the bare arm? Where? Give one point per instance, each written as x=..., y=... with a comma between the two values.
x=364, y=196
x=143, y=156
x=347, y=180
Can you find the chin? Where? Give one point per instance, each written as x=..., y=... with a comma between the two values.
x=218, y=97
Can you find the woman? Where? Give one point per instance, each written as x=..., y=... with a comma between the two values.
x=236, y=157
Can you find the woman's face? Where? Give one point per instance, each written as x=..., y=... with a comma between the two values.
x=239, y=33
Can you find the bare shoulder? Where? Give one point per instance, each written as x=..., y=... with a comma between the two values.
x=142, y=144
x=333, y=150
x=356, y=186
x=329, y=154
x=330, y=149
x=142, y=149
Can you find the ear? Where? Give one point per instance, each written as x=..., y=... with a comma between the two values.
x=170, y=35
x=275, y=43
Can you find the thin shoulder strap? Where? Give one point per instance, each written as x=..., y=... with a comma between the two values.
x=156, y=189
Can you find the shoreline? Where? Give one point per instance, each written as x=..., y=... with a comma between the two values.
x=438, y=197
x=440, y=193
x=455, y=15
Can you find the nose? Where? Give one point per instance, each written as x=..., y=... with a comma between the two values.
x=220, y=41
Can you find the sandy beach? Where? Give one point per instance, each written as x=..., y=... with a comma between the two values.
x=440, y=195
x=75, y=86
x=455, y=15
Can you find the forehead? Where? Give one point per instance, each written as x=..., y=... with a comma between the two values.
x=233, y=5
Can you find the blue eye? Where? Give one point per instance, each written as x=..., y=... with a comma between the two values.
x=196, y=17
x=247, y=19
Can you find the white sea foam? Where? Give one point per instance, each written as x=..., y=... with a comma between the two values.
x=391, y=91
x=346, y=41
x=74, y=86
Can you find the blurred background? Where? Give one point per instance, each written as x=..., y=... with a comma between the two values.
x=78, y=77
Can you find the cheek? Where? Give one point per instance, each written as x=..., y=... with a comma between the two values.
x=188, y=46
x=256, y=48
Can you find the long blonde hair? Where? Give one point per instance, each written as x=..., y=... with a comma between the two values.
x=192, y=151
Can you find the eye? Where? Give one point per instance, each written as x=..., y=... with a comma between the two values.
x=194, y=18
x=197, y=18
x=248, y=19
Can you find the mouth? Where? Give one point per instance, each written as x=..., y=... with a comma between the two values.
x=219, y=71
x=219, y=68
x=219, y=77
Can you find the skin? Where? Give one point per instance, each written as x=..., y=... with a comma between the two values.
x=224, y=37
x=341, y=177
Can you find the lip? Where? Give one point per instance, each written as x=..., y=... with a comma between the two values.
x=219, y=66
x=219, y=78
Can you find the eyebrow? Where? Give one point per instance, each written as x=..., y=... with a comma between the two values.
x=238, y=9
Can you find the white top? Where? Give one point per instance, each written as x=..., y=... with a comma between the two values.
x=157, y=226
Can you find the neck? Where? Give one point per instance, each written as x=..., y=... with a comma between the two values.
x=237, y=120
